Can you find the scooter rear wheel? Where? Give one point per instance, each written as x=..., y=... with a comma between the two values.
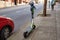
x=25, y=34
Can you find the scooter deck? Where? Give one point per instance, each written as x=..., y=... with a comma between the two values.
x=28, y=31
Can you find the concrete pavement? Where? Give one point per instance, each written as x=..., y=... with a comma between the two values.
x=48, y=28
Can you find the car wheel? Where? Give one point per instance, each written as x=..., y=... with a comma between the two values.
x=5, y=33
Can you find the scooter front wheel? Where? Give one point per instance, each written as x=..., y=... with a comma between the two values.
x=34, y=26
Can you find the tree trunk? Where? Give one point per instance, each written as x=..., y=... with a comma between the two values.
x=45, y=6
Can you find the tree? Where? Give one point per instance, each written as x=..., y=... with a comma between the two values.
x=45, y=7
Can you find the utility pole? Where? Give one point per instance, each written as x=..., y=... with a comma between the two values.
x=45, y=7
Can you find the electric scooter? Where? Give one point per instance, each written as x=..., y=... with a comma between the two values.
x=29, y=29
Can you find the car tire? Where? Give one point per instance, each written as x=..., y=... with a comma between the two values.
x=4, y=33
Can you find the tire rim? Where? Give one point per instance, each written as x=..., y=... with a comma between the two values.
x=6, y=32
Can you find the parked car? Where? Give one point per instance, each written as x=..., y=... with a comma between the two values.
x=6, y=27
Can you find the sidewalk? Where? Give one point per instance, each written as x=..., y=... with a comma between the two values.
x=48, y=28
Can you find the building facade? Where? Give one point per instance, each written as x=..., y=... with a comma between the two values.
x=18, y=1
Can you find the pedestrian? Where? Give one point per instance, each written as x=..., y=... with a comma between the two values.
x=52, y=4
x=49, y=3
x=32, y=9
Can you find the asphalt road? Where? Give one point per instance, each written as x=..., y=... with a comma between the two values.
x=20, y=15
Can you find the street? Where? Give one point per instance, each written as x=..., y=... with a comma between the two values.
x=21, y=16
